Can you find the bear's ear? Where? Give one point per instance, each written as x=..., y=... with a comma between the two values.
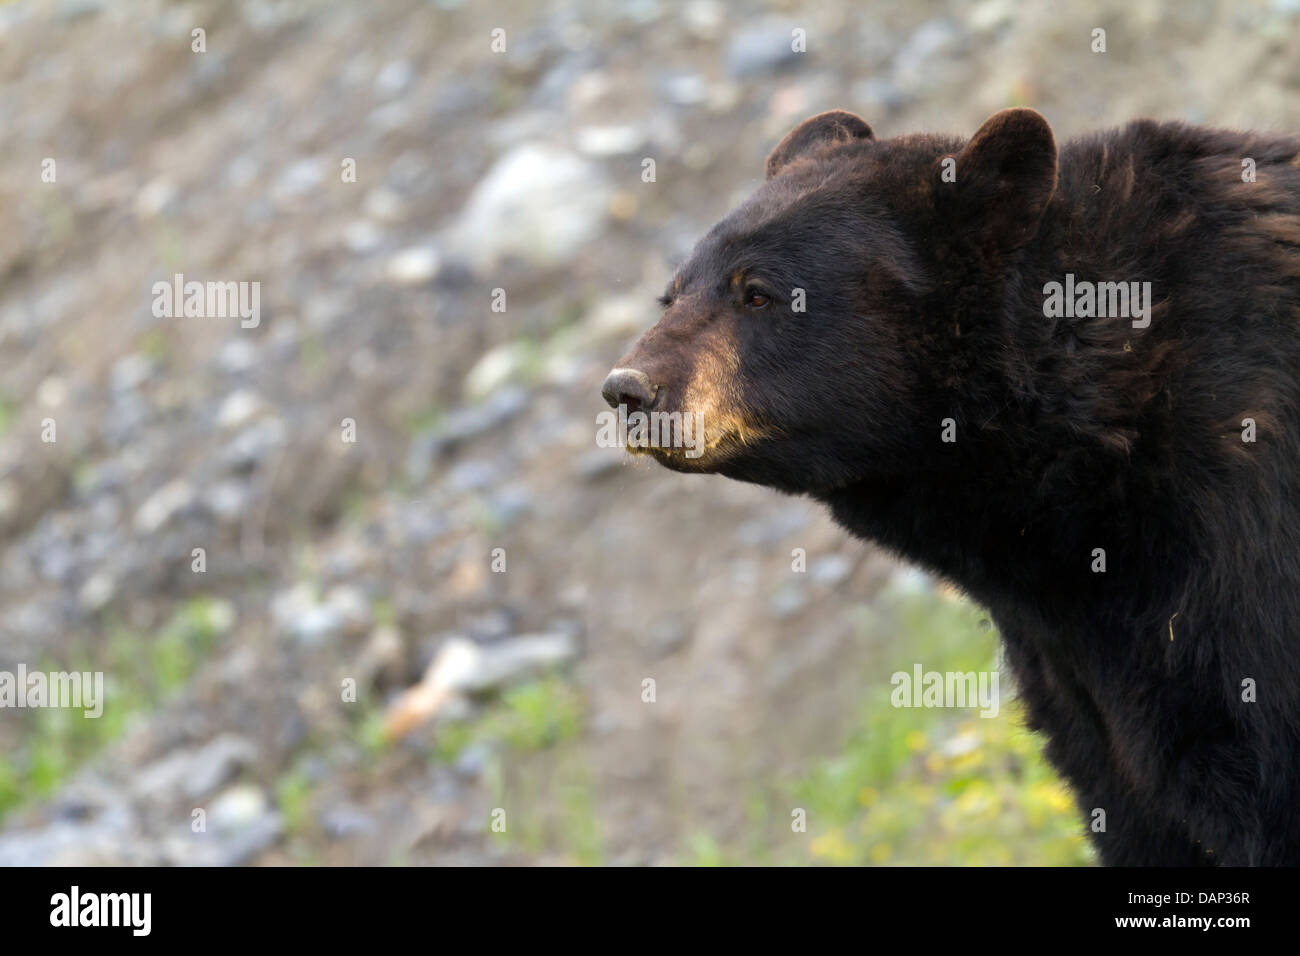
x=1006, y=175
x=824, y=129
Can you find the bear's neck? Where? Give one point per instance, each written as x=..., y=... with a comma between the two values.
x=1033, y=479
x=993, y=538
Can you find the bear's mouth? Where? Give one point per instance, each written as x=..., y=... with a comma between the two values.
x=700, y=441
x=714, y=451
x=681, y=459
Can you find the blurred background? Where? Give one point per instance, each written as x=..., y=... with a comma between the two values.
x=329, y=564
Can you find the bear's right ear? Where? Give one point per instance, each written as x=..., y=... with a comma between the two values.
x=824, y=129
x=1006, y=175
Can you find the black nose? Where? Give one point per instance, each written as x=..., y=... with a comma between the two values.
x=627, y=386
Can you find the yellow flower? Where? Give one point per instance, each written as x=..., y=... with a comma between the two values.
x=1055, y=796
x=832, y=847
x=968, y=761
x=977, y=798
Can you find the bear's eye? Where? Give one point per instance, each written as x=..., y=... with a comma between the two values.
x=756, y=298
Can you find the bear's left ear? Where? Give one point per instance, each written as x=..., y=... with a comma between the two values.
x=824, y=129
x=1006, y=175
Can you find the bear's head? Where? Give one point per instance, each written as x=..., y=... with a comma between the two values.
x=816, y=333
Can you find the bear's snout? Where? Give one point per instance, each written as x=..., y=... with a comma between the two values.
x=630, y=387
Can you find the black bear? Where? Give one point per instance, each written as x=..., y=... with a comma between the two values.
x=1067, y=382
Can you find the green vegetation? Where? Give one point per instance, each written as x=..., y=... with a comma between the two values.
x=155, y=346
x=368, y=731
x=138, y=675
x=536, y=763
x=527, y=718
x=426, y=420
x=293, y=797
x=940, y=786
x=186, y=640
x=919, y=786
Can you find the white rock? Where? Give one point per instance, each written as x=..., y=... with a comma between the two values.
x=687, y=89
x=538, y=203
x=497, y=367
x=237, y=807
x=414, y=266
x=221, y=616
x=227, y=499
x=362, y=236
x=299, y=612
x=394, y=78
x=705, y=18
x=351, y=605
x=53, y=391
x=238, y=408
x=603, y=141
x=237, y=355
x=463, y=665
x=299, y=179
x=154, y=198
x=383, y=204
x=159, y=507
x=129, y=372
x=96, y=592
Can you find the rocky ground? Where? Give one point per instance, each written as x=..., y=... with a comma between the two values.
x=328, y=561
